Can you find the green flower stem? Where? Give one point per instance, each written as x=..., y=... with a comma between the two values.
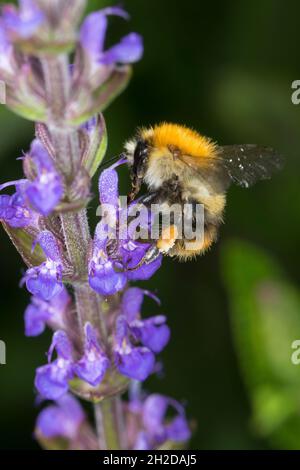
x=107, y=417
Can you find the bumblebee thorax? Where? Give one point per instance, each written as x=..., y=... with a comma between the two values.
x=161, y=167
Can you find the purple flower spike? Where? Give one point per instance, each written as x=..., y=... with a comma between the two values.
x=23, y=22
x=62, y=419
x=45, y=281
x=134, y=362
x=93, y=365
x=52, y=379
x=45, y=192
x=92, y=40
x=41, y=313
x=158, y=426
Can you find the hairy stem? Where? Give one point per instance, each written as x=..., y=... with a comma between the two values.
x=107, y=417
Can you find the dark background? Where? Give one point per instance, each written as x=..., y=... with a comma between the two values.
x=224, y=68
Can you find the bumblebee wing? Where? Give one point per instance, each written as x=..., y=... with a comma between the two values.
x=246, y=164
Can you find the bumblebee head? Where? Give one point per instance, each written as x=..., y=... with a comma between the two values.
x=137, y=152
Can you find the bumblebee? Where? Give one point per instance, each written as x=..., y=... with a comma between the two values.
x=179, y=165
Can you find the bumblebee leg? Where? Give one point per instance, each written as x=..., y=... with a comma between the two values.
x=167, y=239
x=163, y=245
x=151, y=255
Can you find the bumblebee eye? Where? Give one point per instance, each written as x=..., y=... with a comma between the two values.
x=141, y=151
x=140, y=158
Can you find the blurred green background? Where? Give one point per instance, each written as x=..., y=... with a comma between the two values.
x=225, y=69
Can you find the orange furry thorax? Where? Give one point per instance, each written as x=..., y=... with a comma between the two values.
x=187, y=141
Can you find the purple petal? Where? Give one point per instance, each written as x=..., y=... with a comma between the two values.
x=178, y=430
x=59, y=305
x=49, y=245
x=92, y=33
x=44, y=281
x=51, y=380
x=100, y=242
x=40, y=313
x=4, y=41
x=14, y=212
x=132, y=303
x=121, y=332
x=94, y=363
x=154, y=419
x=105, y=280
x=154, y=410
x=134, y=362
x=138, y=363
x=93, y=29
x=45, y=195
x=36, y=318
x=129, y=50
x=142, y=442
x=62, y=419
x=46, y=191
x=152, y=333
x=6, y=52
x=40, y=156
x=62, y=345
x=23, y=22
x=108, y=187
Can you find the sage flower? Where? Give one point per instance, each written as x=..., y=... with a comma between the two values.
x=62, y=419
x=45, y=281
x=41, y=313
x=52, y=380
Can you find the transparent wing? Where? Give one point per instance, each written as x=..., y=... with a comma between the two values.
x=246, y=164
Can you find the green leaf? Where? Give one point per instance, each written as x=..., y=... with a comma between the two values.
x=23, y=240
x=23, y=102
x=265, y=316
x=26, y=112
